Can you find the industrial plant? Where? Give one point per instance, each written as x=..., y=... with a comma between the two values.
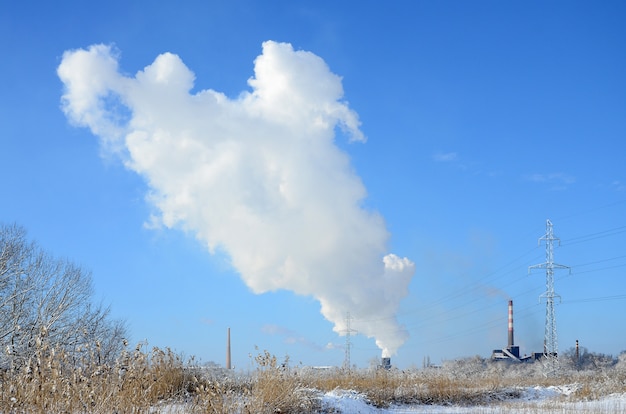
x=549, y=354
x=511, y=352
x=550, y=342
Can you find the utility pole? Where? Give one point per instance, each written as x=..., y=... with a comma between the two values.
x=348, y=331
x=551, y=345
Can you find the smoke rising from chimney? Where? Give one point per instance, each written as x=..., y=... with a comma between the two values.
x=259, y=176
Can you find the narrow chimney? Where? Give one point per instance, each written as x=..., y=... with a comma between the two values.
x=510, y=324
x=228, y=349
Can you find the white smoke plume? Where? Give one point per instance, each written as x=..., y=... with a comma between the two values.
x=258, y=177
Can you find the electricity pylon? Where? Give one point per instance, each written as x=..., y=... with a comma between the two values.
x=550, y=341
x=348, y=331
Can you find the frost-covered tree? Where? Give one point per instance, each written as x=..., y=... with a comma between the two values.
x=44, y=299
x=621, y=362
x=586, y=360
x=470, y=367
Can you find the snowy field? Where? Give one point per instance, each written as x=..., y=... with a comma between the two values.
x=538, y=400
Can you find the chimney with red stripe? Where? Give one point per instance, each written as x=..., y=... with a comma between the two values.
x=510, y=324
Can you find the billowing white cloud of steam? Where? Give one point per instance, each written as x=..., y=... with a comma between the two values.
x=258, y=177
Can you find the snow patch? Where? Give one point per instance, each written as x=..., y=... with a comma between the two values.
x=539, y=398
x=347, y=401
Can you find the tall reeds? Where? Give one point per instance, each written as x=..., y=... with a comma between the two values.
x=143, y=380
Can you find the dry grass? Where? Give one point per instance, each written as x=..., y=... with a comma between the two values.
x=152, y=381
x=50, y=382
x=383, y=388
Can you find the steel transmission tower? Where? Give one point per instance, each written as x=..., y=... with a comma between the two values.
x=348, y=331
x=551, y=343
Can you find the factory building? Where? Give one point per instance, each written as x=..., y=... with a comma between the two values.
x=511, y=352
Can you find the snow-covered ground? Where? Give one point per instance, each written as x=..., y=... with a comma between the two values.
x=532, y=400
x=542, y=400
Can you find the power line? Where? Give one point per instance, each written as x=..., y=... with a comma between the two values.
x=475, y=328
x=591, y=210
x=452, y=313
x=598, y=299
x=601, y=261
x=468, y=288
x=600, y=269
x=594, y=236
x=501, y=272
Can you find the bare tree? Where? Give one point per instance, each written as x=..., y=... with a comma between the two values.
x=44, y=298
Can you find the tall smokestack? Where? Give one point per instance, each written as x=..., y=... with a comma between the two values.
x=228, y=349
x=510, y=324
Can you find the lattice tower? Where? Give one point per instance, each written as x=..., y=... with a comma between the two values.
x=551, y=343
x=348, y=331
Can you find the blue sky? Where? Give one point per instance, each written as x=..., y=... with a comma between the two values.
x=396, y=161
